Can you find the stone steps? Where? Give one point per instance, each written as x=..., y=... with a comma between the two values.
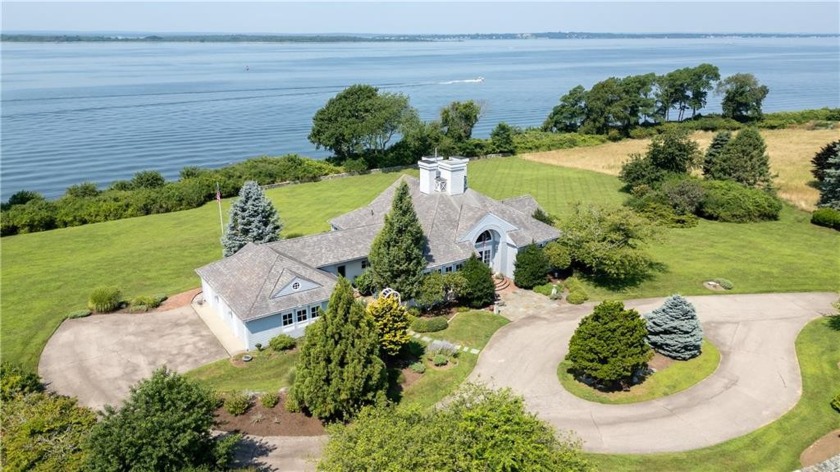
x=501, y=284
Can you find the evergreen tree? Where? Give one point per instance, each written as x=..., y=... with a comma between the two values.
x=673, y=329
x=820, y=159
x=830, y=186
x=480, y=290
x=609, y=345
x=531, y=267
x=164, y=425
x=715, y=148
x=396, y=256
x=744, y=159
x=252, y=219
x=391, y=320
x=339, y=369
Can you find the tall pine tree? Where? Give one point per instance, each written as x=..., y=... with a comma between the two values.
x=720, y=141
x=830, y=185
x=339, y=369
x=744, y=159
x=396, y=256
x=673, y=329
x=820, y=159
x=252, y=219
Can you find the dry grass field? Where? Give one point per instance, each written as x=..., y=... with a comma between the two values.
x=790, y=153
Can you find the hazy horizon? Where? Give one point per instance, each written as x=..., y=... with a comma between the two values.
x=419, y=18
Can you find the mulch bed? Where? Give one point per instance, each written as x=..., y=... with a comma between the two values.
x=261, y=421
x=823, y=449
x=178, y=300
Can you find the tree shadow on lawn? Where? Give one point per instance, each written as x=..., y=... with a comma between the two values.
x=834, y=322
x=410, y=353
x=618, y=285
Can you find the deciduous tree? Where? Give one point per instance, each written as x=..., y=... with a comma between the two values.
x=568, y=116
x=339, y=369
x=674, y=330
x=479, y=429
x=252, y=219
x=396, y=255
x=502, y=138
x=742, y=97
x=609, y=344
x=359, y=120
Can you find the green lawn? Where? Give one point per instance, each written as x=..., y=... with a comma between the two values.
x=47, y=275
x=267, y=372
x=471, y=328
x=777, y=446
x=677, y=377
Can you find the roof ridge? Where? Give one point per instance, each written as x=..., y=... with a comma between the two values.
x=265, y=281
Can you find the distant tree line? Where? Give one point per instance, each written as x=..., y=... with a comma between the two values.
x=618, y=105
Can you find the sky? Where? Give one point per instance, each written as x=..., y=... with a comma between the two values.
x=422, y=17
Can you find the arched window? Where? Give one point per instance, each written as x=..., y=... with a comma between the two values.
x=484, y=237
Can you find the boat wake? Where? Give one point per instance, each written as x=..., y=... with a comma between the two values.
x=465, y=81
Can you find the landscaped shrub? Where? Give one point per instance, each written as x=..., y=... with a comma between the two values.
x=440, y=360
x=15, y=380
x=363, y=282
x=429, y=325
x=674, y=330
x=724, y=283
x=78, y=314
x=835, y=403
x=418, y=367
x=732, y=202
x=480, y=290
x=105, y=299
x=827, y=217
x=282, y=342
x=441, y=348
x=531, y=267
x=237, y=403
x=559, y=257
x=144, y=303
x=684, y=195
x=438, y=289
x=577, y=297
x=269, y=400
x=609, y=345
x=391, y=320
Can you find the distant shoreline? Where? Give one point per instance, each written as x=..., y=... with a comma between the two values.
x=356, y=38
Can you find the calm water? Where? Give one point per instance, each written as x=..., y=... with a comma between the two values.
x=100, y=112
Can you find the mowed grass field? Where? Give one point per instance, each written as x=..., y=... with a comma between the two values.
x=790, y=152
x=47, y=275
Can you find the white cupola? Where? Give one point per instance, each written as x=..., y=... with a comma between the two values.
x=447, y=176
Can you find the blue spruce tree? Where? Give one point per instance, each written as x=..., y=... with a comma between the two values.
x=252, y=219
x=673, y=329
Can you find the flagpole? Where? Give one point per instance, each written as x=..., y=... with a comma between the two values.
x=221, y=220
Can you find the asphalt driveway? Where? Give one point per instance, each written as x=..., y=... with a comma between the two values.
x=99, y=357
x=757, y=381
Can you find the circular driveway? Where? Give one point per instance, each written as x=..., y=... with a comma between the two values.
x=98, y=358
x=757, y=381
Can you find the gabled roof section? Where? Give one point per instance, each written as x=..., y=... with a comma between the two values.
x=298, y=284
x=249, y=279
x=446, y=219
x=330, y=248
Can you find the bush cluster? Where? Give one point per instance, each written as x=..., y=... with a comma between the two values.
x=15, y=380
x=145, y=303
x=282, y=342
x=78, y=314
x=726, y=284
x=827, y=217
x=534, y=140
x=731, y=202
x=577, y=293
x=418, y=367
x=429, y=325
x=105, y=299
x=237, y=403
x=147, y=193
x=269, y=400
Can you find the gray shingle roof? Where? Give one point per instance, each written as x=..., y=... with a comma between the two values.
x=248, y=279
x=332, y=247
x=446, y=218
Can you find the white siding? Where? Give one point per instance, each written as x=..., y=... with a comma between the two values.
x=511, y=260
x=224, y=313
x=263, y=329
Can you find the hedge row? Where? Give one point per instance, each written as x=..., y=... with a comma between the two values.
x=147, y=193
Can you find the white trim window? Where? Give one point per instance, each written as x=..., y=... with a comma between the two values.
x=286, y=319
x=302, y=315
x=316, y=312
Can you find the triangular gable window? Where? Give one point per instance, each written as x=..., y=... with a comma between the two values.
x=297, y=285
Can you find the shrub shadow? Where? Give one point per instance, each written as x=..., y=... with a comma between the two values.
x=834, y=322
x=249, y=451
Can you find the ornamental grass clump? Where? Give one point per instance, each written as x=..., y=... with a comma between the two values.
x=105, y=299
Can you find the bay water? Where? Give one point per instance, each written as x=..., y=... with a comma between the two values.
x=99, y=112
